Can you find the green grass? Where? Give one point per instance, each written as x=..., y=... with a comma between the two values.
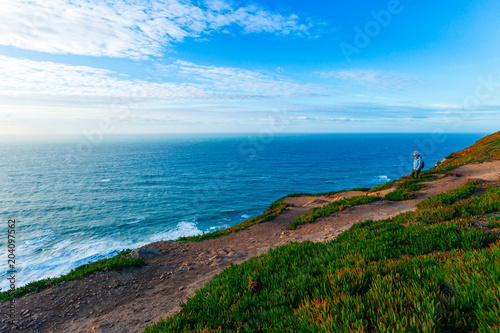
x=362, y=189
x=399, y=195
x=409, y=186
x=117, y=262
x=414, y=184
x=404, y=190
x=333, y=207
x=494, y=222
x=451, y=196
x=438, y=170
x=433, y=210
x=421, y=271
x=382, y=187
x=274, y=210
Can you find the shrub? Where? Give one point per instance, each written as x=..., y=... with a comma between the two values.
x=399, y=195
x=332, y=207
x=494, y=222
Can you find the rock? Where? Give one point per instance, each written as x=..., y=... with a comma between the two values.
x=440, y=162
x=181, y=288
x=222, y=251
x=106, y=326
x=145, y=253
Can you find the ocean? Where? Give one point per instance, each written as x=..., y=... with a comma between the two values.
x=80, y=200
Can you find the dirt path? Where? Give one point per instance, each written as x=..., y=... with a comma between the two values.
x=129, y=300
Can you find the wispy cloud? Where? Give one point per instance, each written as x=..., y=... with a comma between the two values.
x=26, y=79
x=132, y=29
x=252, y=82
x=303, y=118
x=28, y=82
x=373, y=78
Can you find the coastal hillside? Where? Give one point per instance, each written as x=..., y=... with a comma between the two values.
x=432, y=269
x=410, y=255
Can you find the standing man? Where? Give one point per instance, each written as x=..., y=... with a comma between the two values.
x=418, y=164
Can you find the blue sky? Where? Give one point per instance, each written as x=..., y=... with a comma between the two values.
x=74, y=66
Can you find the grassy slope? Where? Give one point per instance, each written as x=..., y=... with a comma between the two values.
x=488, y=148
x=430, y=270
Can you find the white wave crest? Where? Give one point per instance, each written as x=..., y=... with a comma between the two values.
x=384, y=178
x=182, y=229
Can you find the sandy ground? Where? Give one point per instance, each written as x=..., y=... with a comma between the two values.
x=131, y=299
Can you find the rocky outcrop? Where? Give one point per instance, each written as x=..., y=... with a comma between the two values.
x=145, y=253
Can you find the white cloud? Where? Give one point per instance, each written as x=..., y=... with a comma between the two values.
x=23, y=78
x=231, y=79
x=27, y=82
x=132, y=29
x=373, y=78
x=269, y=119
x=339, y=119
x=446, y=106
x=303, y=118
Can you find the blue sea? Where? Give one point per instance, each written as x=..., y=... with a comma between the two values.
x=77, y=200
